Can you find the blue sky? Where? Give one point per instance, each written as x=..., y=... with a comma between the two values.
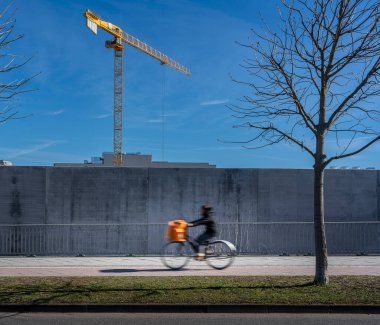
x=71, y=113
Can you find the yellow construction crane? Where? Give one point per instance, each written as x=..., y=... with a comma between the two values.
x=120, y=37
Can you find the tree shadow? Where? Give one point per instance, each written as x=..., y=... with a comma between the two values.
x=66, y=290
x=265, y=287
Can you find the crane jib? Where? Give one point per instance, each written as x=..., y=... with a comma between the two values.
x=94, y=21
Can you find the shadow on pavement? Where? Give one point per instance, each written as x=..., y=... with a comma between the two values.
x=8, y=315
x=137, y=270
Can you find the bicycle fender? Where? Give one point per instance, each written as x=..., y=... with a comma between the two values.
x=230, y=245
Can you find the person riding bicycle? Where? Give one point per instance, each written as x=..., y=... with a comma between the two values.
x=211, y=231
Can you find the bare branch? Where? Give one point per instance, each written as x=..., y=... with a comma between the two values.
x=11, y=88
x=353, y=152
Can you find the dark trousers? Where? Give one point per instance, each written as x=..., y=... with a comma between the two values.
x=201, y=240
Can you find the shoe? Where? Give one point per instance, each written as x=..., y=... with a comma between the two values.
x=200, y=257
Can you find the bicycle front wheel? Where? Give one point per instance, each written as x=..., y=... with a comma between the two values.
x=220, y=254
x=176, y=255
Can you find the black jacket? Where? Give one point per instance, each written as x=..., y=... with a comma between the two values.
x=208, y=221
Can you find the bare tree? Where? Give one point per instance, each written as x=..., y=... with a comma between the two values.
x=9, y=62
x=314, y=77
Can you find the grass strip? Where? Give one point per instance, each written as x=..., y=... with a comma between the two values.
x=355, y=290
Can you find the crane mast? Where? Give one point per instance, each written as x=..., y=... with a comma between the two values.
x=117, y=43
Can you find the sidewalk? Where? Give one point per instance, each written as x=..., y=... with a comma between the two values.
x=152, y=266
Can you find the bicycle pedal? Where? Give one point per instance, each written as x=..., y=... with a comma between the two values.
x=199, y=258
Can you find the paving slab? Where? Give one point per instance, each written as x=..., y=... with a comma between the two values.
x=152, y=266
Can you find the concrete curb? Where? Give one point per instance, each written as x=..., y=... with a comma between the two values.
x=173, y=308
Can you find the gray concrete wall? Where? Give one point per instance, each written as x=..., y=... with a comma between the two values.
x=264, y=202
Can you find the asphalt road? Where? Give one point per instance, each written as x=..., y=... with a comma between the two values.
x=186, y=319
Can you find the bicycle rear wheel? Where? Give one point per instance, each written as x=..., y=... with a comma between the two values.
x=176, y=255
x=220, y=254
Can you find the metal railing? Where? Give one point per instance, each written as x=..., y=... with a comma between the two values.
x=258, y=238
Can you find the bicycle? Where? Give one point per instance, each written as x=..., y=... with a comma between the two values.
x=176, y=254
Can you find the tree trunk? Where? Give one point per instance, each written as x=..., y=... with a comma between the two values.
x=321, y=276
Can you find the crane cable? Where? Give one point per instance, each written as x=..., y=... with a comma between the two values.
x=163, y=113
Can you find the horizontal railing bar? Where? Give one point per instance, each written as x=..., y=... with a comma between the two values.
x=164, y=223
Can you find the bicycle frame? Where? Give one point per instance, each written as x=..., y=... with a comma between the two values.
x=191, y=241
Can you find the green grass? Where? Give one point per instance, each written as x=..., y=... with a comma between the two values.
x=190, y=290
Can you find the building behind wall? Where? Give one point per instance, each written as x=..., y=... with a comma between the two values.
x=133, y=160
x=5, y=163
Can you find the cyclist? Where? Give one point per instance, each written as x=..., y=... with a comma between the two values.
x=208, y=221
